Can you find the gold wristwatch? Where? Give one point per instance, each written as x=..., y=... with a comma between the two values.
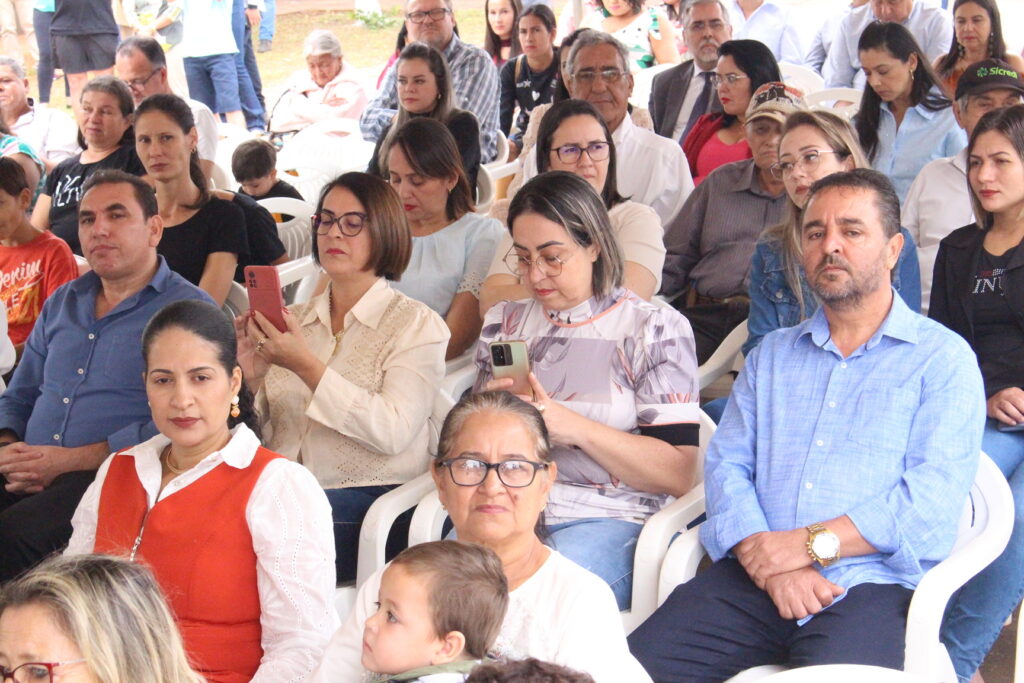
x=822, y=544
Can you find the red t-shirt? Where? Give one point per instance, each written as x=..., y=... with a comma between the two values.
x=28, y=275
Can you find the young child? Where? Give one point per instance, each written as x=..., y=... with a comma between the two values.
x=32, y=263
x=441, y=606
x=254, y=166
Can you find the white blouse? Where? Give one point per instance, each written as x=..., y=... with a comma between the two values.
x=292, y=533
x=561, y=614
x=369, y=421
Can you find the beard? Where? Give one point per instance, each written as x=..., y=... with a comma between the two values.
x=846, y=292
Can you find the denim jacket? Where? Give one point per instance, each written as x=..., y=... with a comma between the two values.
x=773, y=304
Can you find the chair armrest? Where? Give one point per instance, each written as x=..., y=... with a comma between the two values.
x=373, y=536
x=653, y=546
x=681, y=562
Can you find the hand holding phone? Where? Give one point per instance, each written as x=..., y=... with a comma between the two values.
x=264, y=289
x=510, y=359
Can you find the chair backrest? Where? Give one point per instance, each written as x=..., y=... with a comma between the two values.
x=237, y=302
x=294, y=233
x=807, y=80
x=332, y=146
x=308, y=181
x=222, y=179
x=724, y=358
x=484, y=191
x=502, y=154
x=845, y=101
x=293, y=274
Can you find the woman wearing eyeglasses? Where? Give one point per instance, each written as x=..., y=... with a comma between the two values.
x=494, y=475
x=349, y=388
x=718, y=138
x=614, y=376
x=815, y=144
x=86, y=619
x=573, y=137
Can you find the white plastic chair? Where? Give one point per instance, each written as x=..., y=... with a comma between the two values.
x=807, y=80
x=222, y=179
x=983, y=532
x=295, y=234
x=237, y=302
x=332, y=146
x=83, y=265
x=844, y=673
x=830, y=98
x=293, y=273
x=484, y=191
x=501, y=155
x=308, y=181
x=728, y=357
x=459, y=375
x=651, y=547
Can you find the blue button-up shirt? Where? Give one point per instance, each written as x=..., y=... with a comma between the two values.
x=475, y=82
x=889, y=436
x=772, y=25
x=923, y=135
x=80, y=378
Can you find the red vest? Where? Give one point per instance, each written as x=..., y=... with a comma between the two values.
x=198, y=545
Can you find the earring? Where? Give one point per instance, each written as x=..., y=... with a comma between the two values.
x=960, y=50
x=235, y=412
x=991, y=43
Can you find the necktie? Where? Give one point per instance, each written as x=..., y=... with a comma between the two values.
x=700, y=105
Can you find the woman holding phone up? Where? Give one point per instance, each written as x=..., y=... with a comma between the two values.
x=348, y=390
x=579, y=317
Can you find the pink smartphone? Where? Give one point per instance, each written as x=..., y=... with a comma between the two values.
x=264, y=288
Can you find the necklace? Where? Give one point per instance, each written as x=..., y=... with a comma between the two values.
x=330, y=312
x=166, y=455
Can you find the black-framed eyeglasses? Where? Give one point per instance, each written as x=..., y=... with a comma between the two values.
x=436, y=14
x=548, y=264
x=588, y=76
x=515, y=474
x=140, y=83
x=570, y=154
x=808, y=161
x=731, y=79
x=350, y=224
x=33, y=672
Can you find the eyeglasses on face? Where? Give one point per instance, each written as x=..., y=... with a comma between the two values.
x=808, y=161
x=33, y=672
x=729, y=79
x=140, y=83
x=515, y=474
x=570, y=154
x=436, y=14
x=548, y=264
x=350, y=224
x=588, y=76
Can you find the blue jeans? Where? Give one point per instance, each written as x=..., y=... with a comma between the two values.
x=602, y=546
x=976, y=614
x=213, y=80
x=348, y=508
x=267, y=20
x=247, y=79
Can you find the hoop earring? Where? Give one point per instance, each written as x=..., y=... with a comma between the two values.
x=235, y=411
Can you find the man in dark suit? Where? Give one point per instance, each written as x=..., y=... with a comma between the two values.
x=680, y=95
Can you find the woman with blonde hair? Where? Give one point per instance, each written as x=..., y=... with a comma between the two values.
x=92, y=618
x=814, y=144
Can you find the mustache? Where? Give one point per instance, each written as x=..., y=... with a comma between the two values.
x=833, y=261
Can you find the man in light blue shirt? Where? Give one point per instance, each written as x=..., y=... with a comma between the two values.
x=839, y=471
x=770, y=23
x=931, y=26
x=474, y=76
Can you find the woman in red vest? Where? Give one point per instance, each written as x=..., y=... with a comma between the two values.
x=239, y=538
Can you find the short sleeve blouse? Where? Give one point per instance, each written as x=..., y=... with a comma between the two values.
x=648, y=385
x=450, y=261
x=218, y=226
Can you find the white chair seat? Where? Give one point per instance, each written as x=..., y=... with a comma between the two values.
x=807, y=80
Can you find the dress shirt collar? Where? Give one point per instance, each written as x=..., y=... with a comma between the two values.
x=747, y=180
x=452, y=49
x=919, y=109
x=900, y=324
x=915, y=12
x=238, y=452
x=959, y=161
x=623, y=132
x=89, y=283
x=368, y=310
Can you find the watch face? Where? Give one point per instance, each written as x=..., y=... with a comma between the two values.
x=825, y=545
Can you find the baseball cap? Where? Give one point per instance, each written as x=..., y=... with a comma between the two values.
x=988, y=74
x=775, y=101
